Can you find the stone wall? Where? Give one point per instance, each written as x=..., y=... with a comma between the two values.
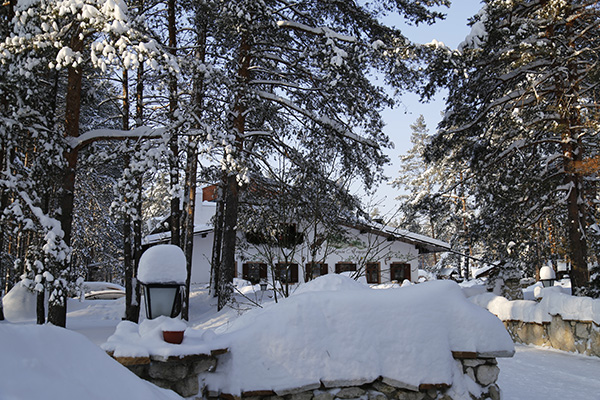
x=483, y=371
x=574, y=336
x=179, y=374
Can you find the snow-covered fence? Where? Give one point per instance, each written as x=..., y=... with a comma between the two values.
x=559, y=320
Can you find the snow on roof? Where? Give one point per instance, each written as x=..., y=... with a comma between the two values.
x=163, y=263
x=47, y=362
x=483, y=270
x=165, y=236
x=405, y=334
x=554, y=302
x=425, y=242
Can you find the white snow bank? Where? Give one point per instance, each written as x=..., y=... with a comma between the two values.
x=19, y=304
x=330, y=282
x=407, y=335
x=145, y=339
x=46, y=362
x=91, y=287
x=163, y=263
x=554, y=302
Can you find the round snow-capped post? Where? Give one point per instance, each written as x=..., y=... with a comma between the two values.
x=162, y=273
x=547, y=276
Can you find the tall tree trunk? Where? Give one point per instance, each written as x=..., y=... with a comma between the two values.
x=57, y=309
x=227, y=270
x=173, y=145
x=576, y=218
x=137, y=223
x=192, y=159
x=573, y=153
x=226, y=273
x=190, y=207
x=215, y=264
x=132, y=309
x=40, y=307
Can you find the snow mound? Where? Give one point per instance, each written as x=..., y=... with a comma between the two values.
x=145, y=339
x=19, y=304
x=330, y=282
x=163, y=263
x=407, y=335
x=554, y=302
x=47, y=362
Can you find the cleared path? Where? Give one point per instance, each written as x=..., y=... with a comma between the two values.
x=544, y=374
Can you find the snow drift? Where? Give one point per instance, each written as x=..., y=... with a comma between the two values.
x=47, y=362
x=406, y=334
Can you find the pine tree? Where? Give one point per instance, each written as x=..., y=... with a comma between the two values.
x=521, y=113
x=299, y=79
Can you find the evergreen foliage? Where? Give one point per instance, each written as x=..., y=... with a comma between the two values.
x=522, y=116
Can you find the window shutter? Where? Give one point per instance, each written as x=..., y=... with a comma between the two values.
x=263, y=271
x=245, y=271
x=324, y=269
x=293, y=273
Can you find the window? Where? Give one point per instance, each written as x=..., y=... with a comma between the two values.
x=399, y=272
x=254, y=272
x=344, y=266
x=373, y=272
x=314, y=270
x=285, y=235
x=286, y=272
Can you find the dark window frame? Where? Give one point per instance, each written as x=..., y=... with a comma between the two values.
x=396, y=267
x=291, y=270
x=309, y=270
x=372, y=268
x=254, y=272
x=345, y=267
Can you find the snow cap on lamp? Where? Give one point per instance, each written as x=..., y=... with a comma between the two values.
x=163, y=263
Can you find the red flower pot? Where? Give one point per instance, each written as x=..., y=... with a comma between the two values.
x=175, y=337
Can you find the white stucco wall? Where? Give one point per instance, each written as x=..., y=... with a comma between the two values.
x=374, y=248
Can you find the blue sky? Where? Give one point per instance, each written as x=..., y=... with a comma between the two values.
x=451, y=31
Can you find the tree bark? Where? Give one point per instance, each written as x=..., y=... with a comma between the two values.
x=215, y=264
x=573, y=152
x=576, y=219
x=192, y=159
x=40, y=307
x=57, y=308
x=173, y=145
x=227, y=270
x=226, y=273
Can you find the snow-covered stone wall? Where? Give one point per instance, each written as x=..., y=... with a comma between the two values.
x=575, y=336
x=558, y=320
x=481, y=372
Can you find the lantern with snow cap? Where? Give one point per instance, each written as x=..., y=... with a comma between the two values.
x=162, y=273
x=547, y=276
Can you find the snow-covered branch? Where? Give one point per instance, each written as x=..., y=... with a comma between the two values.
x=322, y=31
x=114, y=134
x=320, y=120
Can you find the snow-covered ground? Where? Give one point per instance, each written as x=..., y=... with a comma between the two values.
x=536, y=373
x=532, y=374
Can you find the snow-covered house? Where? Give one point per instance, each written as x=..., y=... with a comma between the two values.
x=376, y=253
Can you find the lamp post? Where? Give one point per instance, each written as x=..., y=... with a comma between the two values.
x=263, y=288
x=162, y=273
x=547, y=276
